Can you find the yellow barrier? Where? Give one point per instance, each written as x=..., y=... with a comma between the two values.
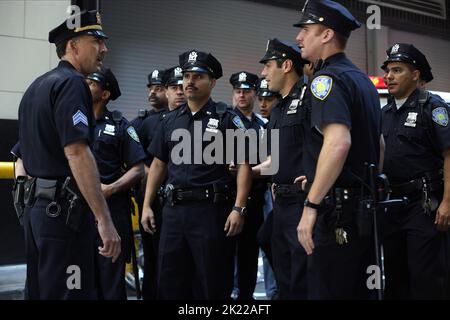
x=6, y=170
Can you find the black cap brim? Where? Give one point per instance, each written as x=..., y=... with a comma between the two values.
x=96, y=33
x=306, y=19
x=265, y=93
x=174, y=83
x=244, y=86
x=268, y=56
x=196, y=69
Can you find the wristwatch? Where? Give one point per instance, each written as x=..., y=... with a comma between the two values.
x=242, y=210
x=309, y=204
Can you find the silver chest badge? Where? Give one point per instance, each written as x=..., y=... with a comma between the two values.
x=411, y=120
x=110, y=129
x=212, y=125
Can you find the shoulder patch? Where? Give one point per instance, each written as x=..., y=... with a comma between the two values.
x=321, y=87
x=238, y=122
x=132, y=133
x=440, y=116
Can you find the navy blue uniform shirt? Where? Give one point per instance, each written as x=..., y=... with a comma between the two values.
x=415, y=139
x=201, y=174
x=287, y=116
x=259, y=124
x=148, y=130
x=116, y=147
x=56, y=110
x=341, y=93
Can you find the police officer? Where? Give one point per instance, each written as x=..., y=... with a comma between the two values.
x=283, y=70
x=267, y=100
x=247, y=250
x=417, y=134
x=342, y=133
x=199, y=219
x=173, y=82
x=158, y=102
x=119, y=158
x=55, y=121
x=156, y=98
x=146, y=125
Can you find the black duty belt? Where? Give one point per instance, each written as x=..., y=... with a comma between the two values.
x=416, y=185
x=217, y=193
x=288, y=190
x=341, y=194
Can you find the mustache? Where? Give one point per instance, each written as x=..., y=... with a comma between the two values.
x=190, y=87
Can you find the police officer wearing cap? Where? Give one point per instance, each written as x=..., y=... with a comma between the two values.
x=55, y=130
x=158, y=102
x=283, y=71
x=119, y=158
x=173, y=81
x=146, y=125
x=247, y=250
x=266, y=98
x=417, y=161
x=199, y=219
x=342, y=134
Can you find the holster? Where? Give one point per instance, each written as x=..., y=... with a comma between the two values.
x=18, y=194
x=65, y=199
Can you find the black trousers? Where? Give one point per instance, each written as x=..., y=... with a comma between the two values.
x=339, y=271
x=289, y=257
x=195, y=257
x=414, y=262
x=111, y=276
x=247, y=249
x=57, y=257
x=264, y=237
x=150, y=244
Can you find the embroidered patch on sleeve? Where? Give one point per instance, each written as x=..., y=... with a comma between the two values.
x=321, y=87
x=440, y=116
x=132, y=133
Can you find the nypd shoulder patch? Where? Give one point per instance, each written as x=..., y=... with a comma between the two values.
x=239, y=123
x=132, y=133
x=321, y=87
x=440, y=116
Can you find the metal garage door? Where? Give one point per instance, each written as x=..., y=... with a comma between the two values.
x=151, y=34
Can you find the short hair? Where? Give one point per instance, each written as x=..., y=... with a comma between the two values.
x=340, y=39
x=61, y=48
x=298, y=68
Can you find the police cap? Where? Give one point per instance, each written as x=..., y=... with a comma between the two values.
x=156, y=77
x=90, y=24
x=173, y=76
x=330, y=14
x=244, y=80
x=198, y=61
x=263, y=89
x=402, y=52
x=107, y=81
x=277, y=49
